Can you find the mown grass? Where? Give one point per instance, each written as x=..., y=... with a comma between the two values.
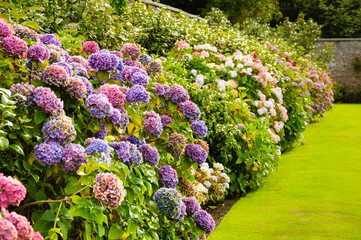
x=315, y=193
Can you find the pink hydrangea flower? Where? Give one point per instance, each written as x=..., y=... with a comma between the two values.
x=7, y=230
x=181, y=44
x=6, y=29
x=12, y=192
x=21, y=223
x=90, y=47
x=14, y=45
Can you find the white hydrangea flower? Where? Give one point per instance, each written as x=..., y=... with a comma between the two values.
x=221, y=84
x=194, y=72
x=239, y=65
x=229, y=63
x=205, y=165
x=200, y=80
x=201, y=188
x=268, y=104
x=233, y=74
x=218, y=166
x=207, y=184
x=226, y=185
x=214, y=178
x=213, y=49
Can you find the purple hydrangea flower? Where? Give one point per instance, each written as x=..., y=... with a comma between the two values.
x=169, y=202
x=14, y=46
x=192, y=205
x=183, y=212
x=99, y=105
x=24, y=89
x=109, y=190
x=47, y=101
x=66, y=66
x=120, y=66
x=103, y=60
x=190, y=110
x=177, y=94
x=168, y=176
x=77, y=88
x=144, y=58
x=128, y=62
x=38, y=52
x=59, y=130
x=102, y=133
x=204, y=220
x=153, y=124
x=56, y=75
x=6, y=29
x=130, y=71
x=115, y=95
x=200, y=128
x=137, y=94
x=50, y=39
x=166, y=120
x=196, y=153
x=139, y=79
x=150, y=154
x=48, y=153
x=120, y=117
x=134, y=140
x=98, y=146
x=159, y=90
x=176, y=143
x=127, y=153
x=131, y=50
x=74, y=156
x=90, y=47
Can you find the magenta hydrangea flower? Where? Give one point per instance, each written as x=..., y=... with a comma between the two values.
x=12, y=192
x=109, y=190
x=177, y=94
x=90, y=47
x=56, y=75
x=6, y=29
x=25, y=32
x=168, y=176
x=150, y=154
x=192, y=205
x=48, y=154
x=14, y=46
x=99, y=147
x=38, y=52
x=37, y=236
x=137, y=94
x=47, y=101
x=103, y=60
x=74, y=156
x=196, y=153
x=115, y=96
x=153, y=124
x=99, y=105
x=200, y=128
x=59, y=129
x=50, y=39
x=120, y=117
x=131, y=50
x=77, y=88
x=169, y=202
x=166, y=120
x=21, y=223
x=204, y=220
x=7, y=229
x=190, y=110
x=24, y=89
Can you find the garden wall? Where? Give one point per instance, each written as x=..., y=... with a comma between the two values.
x=346, y=66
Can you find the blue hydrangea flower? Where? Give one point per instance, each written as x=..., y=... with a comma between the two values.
x=98, y=146
x=169, y=202
x=137, y=94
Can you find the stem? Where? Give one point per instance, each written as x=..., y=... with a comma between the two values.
x=43, y=201
x=57, y=214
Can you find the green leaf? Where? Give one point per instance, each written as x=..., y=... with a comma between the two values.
x=31, y=24
x=17, y=148
x=132, y=227
x=39, y=117
x=35, y=8
x=4, y=143
x=88, y=230
x=115, y=232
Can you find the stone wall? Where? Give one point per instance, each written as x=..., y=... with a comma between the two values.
x=343, y=68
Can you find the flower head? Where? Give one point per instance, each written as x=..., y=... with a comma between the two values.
x=38, y=52
x=128, y=153
x=199, y=128
x=203, y=144
x=196, y=153
x=59, y=129
x=37, y=236
x=190, y=110
x=99, y=105
x=115, y=96
x=169, y=202
x=22, y=225
x=14, y=46
x=103, y=60
x=57, y=54
x=192, y=205
x=6, y=30
x=79, y=59
x=74, y=156
x=48, y=101
x=131, y=50
x=120, y=117
x=109, y=190
x=155, y=67
x=204, y=220
x=176, y=143
x=77, y=88
x=12, y=192
x=25, y=32
x=177, y=94
x=99, y=147
x=150, y=154
x=24, y=89
x=144, y=58
x=48, y=153
x=166, y=120
x=137, y=94
x=50, y=39
x=90, y=47
x=56, y=75
x=7, y=229
x=168, y=176
x=153, y=124
x=89, y=86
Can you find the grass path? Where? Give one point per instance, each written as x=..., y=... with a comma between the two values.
x=314, y=194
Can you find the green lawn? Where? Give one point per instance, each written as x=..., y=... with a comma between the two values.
x=314, y=194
